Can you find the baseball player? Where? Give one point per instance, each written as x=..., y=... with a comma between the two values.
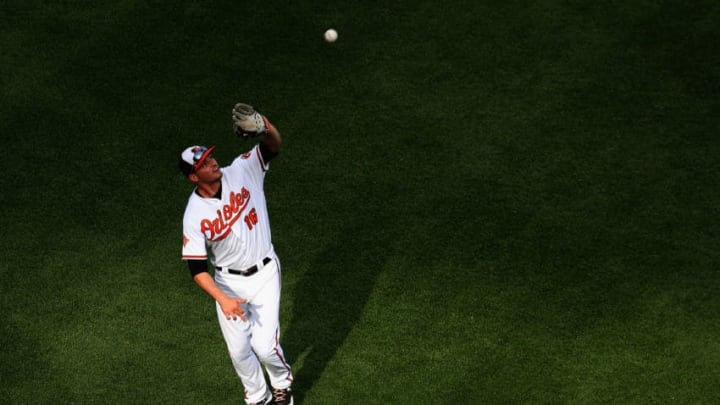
x=226, y=221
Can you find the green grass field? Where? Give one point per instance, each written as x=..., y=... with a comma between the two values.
x=478, y=202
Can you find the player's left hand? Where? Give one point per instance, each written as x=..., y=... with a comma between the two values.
x=248, y=122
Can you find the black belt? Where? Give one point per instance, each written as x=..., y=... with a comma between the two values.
x=247, y=272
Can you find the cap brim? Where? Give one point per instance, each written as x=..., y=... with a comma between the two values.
x=205, y=155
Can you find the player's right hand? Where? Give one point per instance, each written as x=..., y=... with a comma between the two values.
x=232, y=308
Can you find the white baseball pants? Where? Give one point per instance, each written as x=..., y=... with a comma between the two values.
x=256, y=342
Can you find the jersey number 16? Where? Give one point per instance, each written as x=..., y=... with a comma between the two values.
x=251, y=219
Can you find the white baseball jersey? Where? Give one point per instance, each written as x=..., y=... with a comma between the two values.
x=233, y=231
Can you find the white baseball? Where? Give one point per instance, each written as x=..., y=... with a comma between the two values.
x=331, y=35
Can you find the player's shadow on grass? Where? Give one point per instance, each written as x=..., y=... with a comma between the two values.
x=330, y=297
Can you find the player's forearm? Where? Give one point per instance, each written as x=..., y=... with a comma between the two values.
x=206, y=283
x=272, y=139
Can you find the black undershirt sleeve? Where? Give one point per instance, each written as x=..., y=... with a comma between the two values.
x=197, y=266
x=266, y=153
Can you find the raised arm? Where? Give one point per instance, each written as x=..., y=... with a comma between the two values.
x=272, y=139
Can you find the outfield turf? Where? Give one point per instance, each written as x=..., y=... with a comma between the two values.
x=477, y=202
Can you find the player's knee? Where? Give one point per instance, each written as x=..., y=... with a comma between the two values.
x=265, y=351
x=240, y=355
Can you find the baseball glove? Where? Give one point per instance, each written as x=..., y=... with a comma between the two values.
x=248, y=122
